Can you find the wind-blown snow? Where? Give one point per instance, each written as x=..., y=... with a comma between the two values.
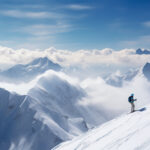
x=43, y=118
x=128, y=132
x=57, y=108
x=50, y=113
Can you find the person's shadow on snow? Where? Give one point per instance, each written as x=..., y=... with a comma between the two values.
x=142, y=109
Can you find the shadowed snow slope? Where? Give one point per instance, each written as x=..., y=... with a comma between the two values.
x=43, y=118
x=20, y=129
x=128, y=132
x=146, y=71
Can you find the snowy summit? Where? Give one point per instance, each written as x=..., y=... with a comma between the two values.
x=23, y=73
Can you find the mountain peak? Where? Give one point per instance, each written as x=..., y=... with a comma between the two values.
x=23, y=73
x=41, y=60
x=139, y=51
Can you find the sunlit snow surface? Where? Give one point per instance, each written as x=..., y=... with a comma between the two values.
x=128, y=132
x=57, y=107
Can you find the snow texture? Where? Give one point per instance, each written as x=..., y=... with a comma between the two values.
x=49, y=114
x=43, y=118
x=146, y=71
x=57, y=110
x=128, y=132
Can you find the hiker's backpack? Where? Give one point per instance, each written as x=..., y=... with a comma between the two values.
x=130, y=99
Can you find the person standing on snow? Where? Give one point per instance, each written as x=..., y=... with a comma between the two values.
x=131, y=101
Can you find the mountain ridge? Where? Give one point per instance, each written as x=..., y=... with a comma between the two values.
x=25, y=73
x=38, y=120
x=129, y=131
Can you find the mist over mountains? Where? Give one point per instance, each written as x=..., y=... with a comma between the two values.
x=25, y=73
x=49, y=114
x=59, y=105
x=117, y=79
x=41, y=119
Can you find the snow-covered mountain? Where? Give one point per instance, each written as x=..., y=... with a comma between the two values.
x=141, y=52
x=20, y=126
x=41, y=119
x=146, y=71
x=48, y=115
x=56, y=109
x=128, y=132
x=23, y=73
x=117, y=78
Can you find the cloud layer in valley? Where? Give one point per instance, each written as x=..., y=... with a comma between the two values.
x=100, y=97
x=84, y=58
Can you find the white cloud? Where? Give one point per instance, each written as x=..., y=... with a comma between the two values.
x=43, y=30
x=115, y=99
x=23, y=88
x=146, y=24
x=101, y=98
x=78, y=7
x=80, y=58
x=31, y=14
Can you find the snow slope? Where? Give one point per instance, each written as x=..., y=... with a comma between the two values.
x=23, y=73
x=128, y=132
x=146, y=71
x=49, y=114
x=20, y=129
x=43, y=118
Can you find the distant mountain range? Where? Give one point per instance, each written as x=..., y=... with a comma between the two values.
x=24, y=73
x=117, y=80
x=141, y=52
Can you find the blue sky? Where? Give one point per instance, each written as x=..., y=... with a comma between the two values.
x=75, y=24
